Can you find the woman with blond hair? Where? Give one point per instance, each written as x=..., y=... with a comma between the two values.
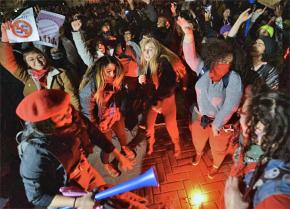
x=100, y=95
x=158, y=78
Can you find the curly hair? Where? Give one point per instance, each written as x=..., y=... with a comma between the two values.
x=214, y=50
x=272, y=109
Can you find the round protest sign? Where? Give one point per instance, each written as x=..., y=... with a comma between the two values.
x=21, y=28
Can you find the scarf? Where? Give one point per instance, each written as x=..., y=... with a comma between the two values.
x=218, y=71
x=40, y=75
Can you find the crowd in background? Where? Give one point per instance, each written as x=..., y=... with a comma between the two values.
x=119, y=65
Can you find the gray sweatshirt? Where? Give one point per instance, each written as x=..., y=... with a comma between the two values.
x=213, y=99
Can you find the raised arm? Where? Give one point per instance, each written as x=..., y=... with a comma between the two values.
x=244, y=16
x=189, y=51
x=79, y=40
x=7, y=58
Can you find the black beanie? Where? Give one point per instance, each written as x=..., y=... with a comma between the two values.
x=270, y=46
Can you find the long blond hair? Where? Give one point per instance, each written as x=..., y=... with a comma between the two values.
x=97, y=71
x=160, y=51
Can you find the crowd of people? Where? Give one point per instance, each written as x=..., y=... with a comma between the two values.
x=118, y=65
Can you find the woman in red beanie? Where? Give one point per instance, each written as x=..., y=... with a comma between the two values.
x=53, y=150
x=39, y=75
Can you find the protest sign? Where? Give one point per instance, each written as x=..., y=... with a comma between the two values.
x=23, y=28
x=48, y=24
x=269, y=3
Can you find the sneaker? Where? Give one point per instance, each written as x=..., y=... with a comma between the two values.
x=196, y=160
x=111, y=170
x=131, y=155
x=213, y=171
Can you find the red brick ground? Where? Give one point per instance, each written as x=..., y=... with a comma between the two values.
x=178, y=178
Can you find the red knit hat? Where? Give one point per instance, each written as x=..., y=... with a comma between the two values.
x=42, y=105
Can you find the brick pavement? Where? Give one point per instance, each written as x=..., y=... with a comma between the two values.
x=177, y=177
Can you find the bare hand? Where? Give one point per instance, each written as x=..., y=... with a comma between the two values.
x=126, y=164
x=233, y=196
x=260, y=11
x=4, y=27
x=146, y=1
x=257, y=13
x=173, y=9
x=142, y=79
x=130, y=2
x=184, y=24
x=76, y=25
x=244, y=16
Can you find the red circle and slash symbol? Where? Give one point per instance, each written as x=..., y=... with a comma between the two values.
x=21, y=28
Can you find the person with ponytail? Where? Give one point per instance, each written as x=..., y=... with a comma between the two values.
x=100, y=98
x=40, y=74
x=219, y=90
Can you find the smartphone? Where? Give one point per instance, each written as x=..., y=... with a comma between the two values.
x=126, y=12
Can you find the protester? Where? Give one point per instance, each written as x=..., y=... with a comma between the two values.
x=40, y=75
x=79, y=40
x=267, y=185
x=158, y=78
x=53, y=148
x=219, y=90
x=261, y=53
x=232, y=54
x=100, y=96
